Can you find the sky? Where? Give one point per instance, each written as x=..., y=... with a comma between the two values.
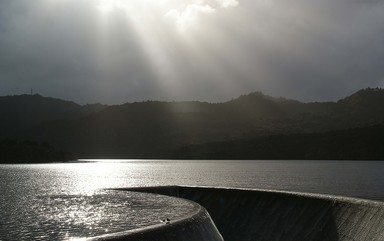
x=117, y=51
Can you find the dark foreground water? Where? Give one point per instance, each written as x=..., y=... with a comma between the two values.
x=65, y=201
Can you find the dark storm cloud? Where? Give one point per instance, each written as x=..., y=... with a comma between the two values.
x=308, y=50
x=54, y=51
x=323, y=49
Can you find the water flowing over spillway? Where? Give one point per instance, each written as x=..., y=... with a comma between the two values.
x=241, y=214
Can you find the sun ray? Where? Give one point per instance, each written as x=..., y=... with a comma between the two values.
x=162, y=30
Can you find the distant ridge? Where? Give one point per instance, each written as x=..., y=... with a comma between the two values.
x=21, y=112
x=155, y=129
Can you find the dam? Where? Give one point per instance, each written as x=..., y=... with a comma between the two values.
x=263, y=215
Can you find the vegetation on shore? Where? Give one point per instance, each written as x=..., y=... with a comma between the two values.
x=253, y=126
x=352, y=144
x=12, y=151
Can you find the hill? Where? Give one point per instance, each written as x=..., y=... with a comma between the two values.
x=155, y=129
x=20, y=113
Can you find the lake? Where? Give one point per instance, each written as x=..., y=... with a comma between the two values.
x=69, y=201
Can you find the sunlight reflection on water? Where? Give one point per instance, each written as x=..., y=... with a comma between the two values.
x=66, y=201
x=67, y=216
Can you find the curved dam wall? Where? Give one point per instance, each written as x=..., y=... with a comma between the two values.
x=194, y=227
x=242, y=215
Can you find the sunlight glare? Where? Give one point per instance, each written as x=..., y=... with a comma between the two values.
x=189, y=16
x=184, y=14
x=93, y=176
x=105, y=8
x=160, y=27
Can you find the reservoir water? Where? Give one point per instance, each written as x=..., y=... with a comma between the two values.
x=70, y=201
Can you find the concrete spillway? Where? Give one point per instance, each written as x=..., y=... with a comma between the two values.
x=242, y=215
x=195, y=226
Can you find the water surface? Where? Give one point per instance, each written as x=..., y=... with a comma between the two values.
x=67, y=201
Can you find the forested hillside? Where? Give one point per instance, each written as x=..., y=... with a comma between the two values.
x=155, y=129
